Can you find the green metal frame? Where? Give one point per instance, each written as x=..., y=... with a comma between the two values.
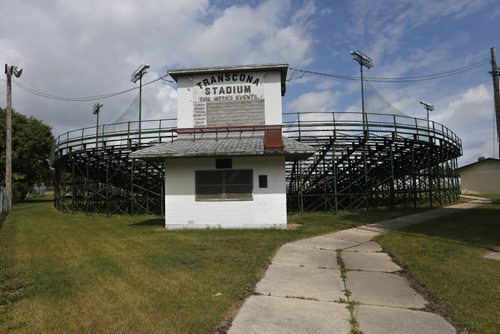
x=392, y=161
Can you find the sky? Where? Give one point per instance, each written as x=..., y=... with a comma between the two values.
x=72, y=48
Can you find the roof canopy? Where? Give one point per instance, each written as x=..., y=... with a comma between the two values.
x=225, y=147
x=282, y=68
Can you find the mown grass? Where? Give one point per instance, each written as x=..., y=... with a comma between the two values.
x=445, y=256
x=76, y=273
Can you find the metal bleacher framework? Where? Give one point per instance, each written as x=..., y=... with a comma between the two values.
x=389, y=161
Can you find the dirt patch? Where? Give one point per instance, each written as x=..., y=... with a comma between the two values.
x=293, y=226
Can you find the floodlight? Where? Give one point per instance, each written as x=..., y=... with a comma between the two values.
x=141, y=70
x=427, y=106
x=95, y=109
x=17, y=71
x=362, y=59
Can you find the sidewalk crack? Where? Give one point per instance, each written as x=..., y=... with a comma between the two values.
x=351, y=304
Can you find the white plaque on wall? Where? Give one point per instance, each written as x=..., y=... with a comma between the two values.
x=228, y=99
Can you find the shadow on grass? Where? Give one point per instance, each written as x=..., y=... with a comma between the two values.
x=150, y=222
x=479, y=227
x=35, y=200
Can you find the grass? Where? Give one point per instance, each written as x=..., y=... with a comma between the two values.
x=445, y=256
x=77, y=273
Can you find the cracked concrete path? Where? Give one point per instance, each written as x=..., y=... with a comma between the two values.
x=310, y=284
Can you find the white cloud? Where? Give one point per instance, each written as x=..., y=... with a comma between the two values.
x=86, y=48
x=470, y=114
x=468, y=108
x=314, y=102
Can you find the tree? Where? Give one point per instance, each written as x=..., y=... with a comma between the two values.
x=32, y=143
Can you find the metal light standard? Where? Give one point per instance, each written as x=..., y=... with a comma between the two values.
x=137, y=75
x=95, y=110
x=428, y=107
x=365, y=61
x=9, y=70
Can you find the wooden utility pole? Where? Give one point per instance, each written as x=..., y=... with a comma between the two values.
x=495, y=73
x=8, y=144
x=9, y=70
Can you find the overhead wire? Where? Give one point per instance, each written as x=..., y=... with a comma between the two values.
x=426, y=77
x=85, y=98
x=296, y=74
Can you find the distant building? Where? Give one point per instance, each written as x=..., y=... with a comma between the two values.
x=481, y=177
x=226, y=168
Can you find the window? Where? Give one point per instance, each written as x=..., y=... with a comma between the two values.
x=230, y=184
x=223, y=163
x=262, y=181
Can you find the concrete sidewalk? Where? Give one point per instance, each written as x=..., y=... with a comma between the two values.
x=312, y=284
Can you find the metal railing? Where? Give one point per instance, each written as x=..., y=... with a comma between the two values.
x=299, y=125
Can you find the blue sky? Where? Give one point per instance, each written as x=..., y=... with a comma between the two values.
x=84, y=48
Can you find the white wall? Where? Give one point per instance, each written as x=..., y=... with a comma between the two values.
x=272, y=102
x=185, y=102
x=481, y=178
x=266, y=210
x=272, y=99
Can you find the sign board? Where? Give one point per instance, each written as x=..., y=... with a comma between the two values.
x=228, y=99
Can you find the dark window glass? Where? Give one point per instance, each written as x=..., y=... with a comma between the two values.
x=224, y=184
x=262, y=181
x=223, y=163
x=238, y=176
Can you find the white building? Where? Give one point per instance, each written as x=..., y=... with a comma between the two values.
x=481, y=177
x=226, y=169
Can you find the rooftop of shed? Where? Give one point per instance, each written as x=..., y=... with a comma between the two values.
x=282, y=68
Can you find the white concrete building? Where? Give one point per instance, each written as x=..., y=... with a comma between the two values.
x=226, y=169
x=481, y=177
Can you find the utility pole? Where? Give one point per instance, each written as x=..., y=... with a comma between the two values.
x=9, y=70
x=495, y=73
x=95, y=110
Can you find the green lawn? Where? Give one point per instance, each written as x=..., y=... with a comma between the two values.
x=445, y=256
x=76, y=273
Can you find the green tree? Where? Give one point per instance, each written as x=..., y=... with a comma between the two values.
x=32, y=142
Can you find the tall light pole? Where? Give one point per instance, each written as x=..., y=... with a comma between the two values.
x=428, y=107
x=365, y=61
x=137, y=75
x=95, y=110
x=9, y=70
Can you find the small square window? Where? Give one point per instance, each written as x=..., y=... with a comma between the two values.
x=262, y=181
x=223, y=163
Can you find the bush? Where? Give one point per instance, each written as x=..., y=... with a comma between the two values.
x=19, y=191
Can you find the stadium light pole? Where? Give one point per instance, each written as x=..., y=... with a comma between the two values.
x=428, y=107
x=137, y=75
x=95, y=110
x=365, y=61
x=9, y=70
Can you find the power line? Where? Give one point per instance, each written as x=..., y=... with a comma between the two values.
x=433, y=76
x=85, y=98
x=296, y=74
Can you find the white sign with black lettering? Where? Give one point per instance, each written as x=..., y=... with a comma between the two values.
x=227, y=96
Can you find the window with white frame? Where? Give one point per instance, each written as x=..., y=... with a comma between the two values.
x=224, y=184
